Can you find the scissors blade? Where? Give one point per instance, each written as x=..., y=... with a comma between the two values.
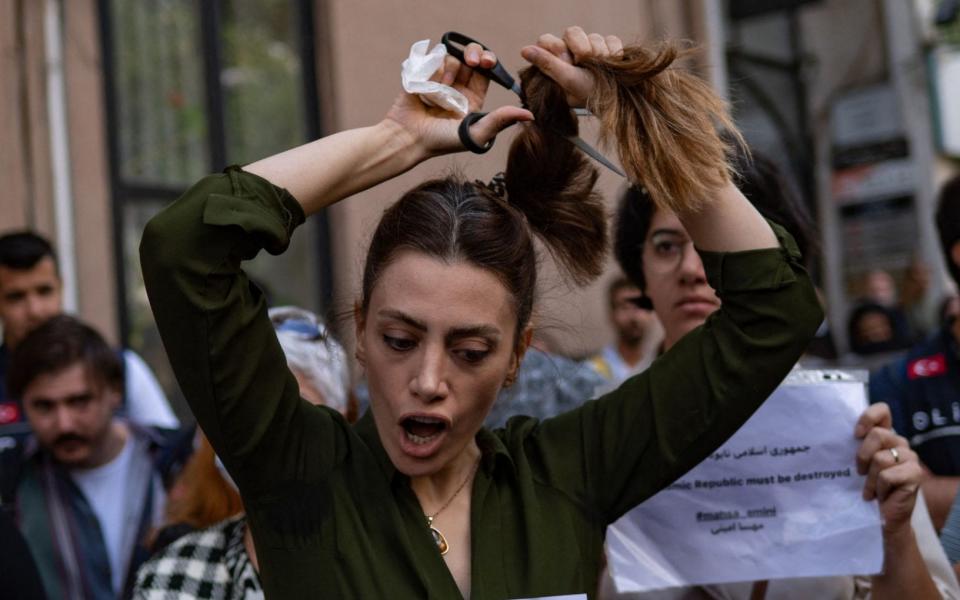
x=595, y=155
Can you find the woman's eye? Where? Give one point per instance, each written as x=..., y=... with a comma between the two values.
x=666, y=247
x=399, y=344
x=471, y=355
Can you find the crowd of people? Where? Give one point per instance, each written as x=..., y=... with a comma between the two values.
x=475, y=460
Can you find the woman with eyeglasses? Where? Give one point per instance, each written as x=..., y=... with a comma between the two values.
x=418, y=500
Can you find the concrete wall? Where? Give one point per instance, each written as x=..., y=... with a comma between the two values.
x=93, y=224
x=25, y=154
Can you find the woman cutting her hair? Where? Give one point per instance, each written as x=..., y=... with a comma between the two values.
x=418, y=500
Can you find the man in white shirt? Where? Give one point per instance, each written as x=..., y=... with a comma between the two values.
x=86, y=486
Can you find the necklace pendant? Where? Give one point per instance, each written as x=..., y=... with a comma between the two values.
x=441, y=541
x=438, y=538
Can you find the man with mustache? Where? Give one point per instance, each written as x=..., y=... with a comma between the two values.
x=87, y=485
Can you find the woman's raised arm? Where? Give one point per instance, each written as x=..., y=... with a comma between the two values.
x=615, y=452
x=320, y=173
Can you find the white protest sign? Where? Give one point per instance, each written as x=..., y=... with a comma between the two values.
x=781, y=498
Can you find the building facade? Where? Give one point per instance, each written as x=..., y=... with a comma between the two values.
x=110, y=108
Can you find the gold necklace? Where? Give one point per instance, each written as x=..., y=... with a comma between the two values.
x=438, y=537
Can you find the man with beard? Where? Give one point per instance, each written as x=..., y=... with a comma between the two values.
x=86, y=486
x=637, y=336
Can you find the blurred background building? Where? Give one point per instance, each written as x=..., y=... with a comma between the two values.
x=109, y=109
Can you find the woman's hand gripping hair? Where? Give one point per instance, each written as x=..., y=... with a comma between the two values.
x=666, y=122
x=433, y=130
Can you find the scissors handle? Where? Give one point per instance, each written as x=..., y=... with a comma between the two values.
x=456, y=42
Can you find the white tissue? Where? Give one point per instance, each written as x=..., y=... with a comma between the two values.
x=416, y=72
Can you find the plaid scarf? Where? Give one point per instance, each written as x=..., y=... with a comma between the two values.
x=210, y=564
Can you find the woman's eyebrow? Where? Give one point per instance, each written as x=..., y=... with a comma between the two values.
x=486, y=331
x=480, y=330
x=664, y=230
x=404, y=317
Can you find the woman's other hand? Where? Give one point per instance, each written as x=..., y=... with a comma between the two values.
x=558, y=59
x=893, y=470
x=435, y=130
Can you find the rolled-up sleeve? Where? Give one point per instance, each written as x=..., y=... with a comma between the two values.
x=215, y=329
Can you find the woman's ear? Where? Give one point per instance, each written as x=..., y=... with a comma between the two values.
x=360, y=322
x=523, y=342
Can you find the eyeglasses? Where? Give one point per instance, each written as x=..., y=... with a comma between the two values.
x=664, y=251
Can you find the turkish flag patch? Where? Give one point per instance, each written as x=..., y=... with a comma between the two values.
x=9, y=413
x=928, y=366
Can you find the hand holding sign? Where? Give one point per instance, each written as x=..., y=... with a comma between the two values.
x=781, y=499
x=892, y=468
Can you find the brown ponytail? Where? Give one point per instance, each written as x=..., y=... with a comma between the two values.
x=666, y=123
x=551, y=182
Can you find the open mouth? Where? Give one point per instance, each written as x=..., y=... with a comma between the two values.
x=422, y=430
x=423, y=435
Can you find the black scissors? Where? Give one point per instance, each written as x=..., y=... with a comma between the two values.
x=455, y=43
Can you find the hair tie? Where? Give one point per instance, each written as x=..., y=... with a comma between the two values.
x=497, y=185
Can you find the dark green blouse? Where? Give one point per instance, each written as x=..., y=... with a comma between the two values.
x=331, y=516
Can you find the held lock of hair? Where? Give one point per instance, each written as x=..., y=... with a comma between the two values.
x=667, y=125
x=666, y=122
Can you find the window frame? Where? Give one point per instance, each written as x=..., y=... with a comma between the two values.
x=126, y=192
